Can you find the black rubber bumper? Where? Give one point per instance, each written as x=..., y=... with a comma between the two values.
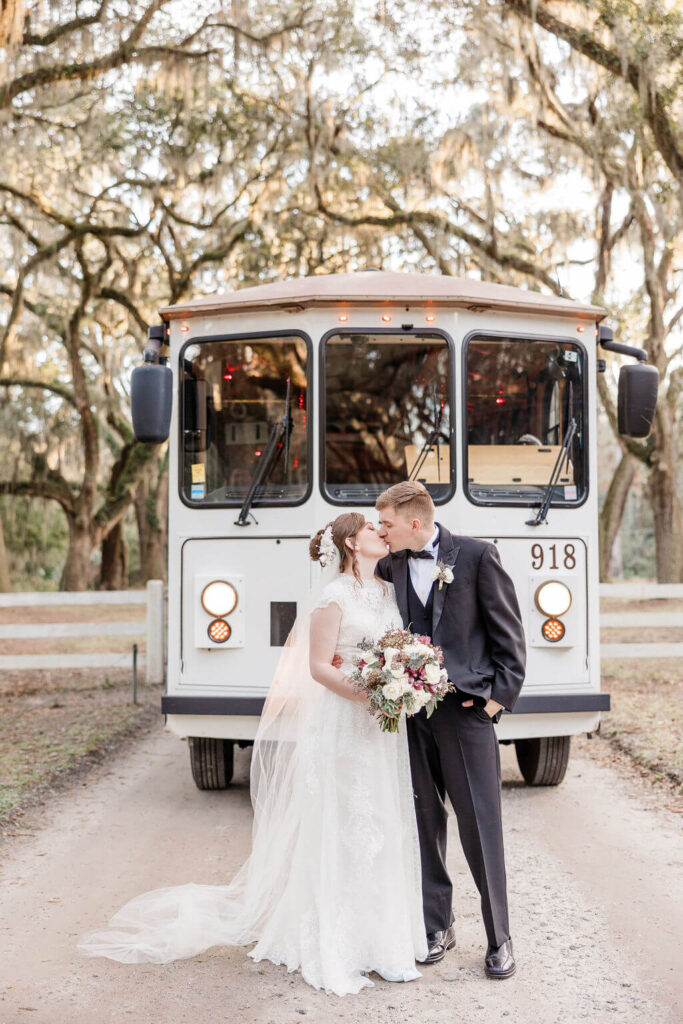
x=180, y=705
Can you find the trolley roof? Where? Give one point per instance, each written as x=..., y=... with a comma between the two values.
x=372, y=288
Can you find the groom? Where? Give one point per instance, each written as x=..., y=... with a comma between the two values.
x=472, y=613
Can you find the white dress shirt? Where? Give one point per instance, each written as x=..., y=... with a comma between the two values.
x=421, y=569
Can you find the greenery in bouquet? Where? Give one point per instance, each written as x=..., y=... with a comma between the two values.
x=401, y=673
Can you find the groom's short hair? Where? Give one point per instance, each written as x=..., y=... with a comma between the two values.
x=410, y=498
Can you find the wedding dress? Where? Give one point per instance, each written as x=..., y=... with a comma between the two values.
x=332, y=886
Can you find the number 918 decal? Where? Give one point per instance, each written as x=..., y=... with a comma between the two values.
x=554, y=556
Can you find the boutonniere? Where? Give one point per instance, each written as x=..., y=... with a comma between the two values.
x=443, y=573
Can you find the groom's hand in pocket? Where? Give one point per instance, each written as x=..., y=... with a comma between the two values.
x=491, y=708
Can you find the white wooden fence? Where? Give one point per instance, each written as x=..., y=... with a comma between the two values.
x=152, y=627
x=641, y=620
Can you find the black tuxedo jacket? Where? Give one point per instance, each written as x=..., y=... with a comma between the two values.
x=475, y=620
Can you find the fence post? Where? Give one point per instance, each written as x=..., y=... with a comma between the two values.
x=155, y=632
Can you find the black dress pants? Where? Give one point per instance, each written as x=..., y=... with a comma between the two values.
x=455, y=752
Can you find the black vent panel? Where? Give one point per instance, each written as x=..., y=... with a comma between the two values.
x=282, y=616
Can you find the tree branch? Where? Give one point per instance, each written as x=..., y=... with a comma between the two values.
x=86, y=71
x=32, y=39
x=23, y=382
x=585, y=43
x=52, y=488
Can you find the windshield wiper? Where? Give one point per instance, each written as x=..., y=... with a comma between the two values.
x=267, y=461
x=427, y=447
x=555, y=475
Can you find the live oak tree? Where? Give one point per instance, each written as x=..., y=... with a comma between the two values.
x=565, y=151
x=145, y=156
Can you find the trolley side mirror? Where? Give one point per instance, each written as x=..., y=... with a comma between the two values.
x=638, y=385
x=151, y=393
x=637, y=399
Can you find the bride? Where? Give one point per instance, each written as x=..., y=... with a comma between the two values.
x=332, y=885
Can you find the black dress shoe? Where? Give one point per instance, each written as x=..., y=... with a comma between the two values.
x=439, y=943
x=500, y=963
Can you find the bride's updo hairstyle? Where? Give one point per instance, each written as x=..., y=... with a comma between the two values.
x=345, y=526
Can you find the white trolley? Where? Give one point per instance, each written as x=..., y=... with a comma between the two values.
x=288, y=403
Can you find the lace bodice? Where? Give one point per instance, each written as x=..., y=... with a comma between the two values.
x=368, y=609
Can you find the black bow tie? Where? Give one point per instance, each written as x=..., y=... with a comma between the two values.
x=420, y=554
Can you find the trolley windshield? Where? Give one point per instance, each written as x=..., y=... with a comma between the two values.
x=234, y=394
x=387, y=405
x=521, y=398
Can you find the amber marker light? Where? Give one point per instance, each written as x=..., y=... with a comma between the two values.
x=581, y=329
x=184, y=328
x=430, y=317
x=386, y=318
x=553, y=630
x=343, y=317
x=219, y=598
x=219, y=631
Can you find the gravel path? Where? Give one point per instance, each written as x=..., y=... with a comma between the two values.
x=595, y=869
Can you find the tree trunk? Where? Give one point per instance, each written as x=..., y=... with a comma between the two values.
x=76, y=571
x=114, y=566
x=666, y=509
x=140, y=504
x=151, y=511
x=5, y=585
x=613, y=510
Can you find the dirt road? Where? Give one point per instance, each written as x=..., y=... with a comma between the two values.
x=595, y=883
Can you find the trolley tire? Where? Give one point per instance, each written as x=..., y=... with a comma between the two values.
x=212, y=761
x=543, y=761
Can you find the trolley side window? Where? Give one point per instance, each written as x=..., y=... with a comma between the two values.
x=237, y=396
x=387, y=415
x=522, y=397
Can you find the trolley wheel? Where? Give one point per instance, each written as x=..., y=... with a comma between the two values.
x=543, y=761
x=212, y=761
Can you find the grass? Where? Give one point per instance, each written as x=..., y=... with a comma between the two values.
x=48, y=735
x=645, y=718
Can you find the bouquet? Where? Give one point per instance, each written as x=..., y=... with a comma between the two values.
x=401, y=674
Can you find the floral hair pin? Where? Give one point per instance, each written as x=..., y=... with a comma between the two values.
x=326, y=547
x=443, y=573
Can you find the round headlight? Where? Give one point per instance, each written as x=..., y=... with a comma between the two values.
x=219, y=598
x=553, y=598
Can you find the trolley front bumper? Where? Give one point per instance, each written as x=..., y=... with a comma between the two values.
x=175, y=704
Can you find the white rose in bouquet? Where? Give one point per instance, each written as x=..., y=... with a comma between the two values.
x=392, y=690
x=433, y=673
x=366, y=670
x=389, y=653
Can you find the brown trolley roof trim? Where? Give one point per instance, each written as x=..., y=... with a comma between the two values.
x=372, y=288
